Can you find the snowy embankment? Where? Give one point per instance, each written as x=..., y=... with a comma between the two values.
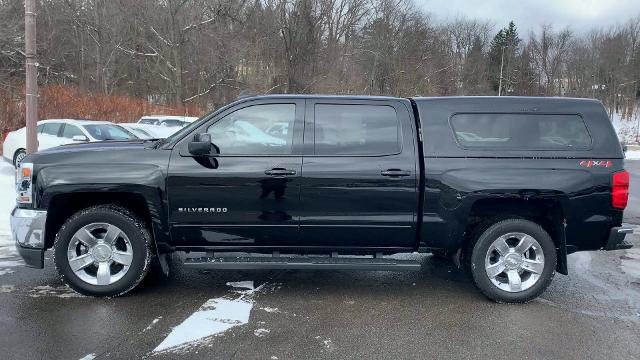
x=628, y=130
x=632, y=155
x=7, y=201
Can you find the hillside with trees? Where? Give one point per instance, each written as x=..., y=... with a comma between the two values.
x=191, y=56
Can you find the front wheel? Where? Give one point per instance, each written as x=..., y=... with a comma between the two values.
x=103, y=251
x=513, y=261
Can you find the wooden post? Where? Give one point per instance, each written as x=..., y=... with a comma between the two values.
x=31, y=69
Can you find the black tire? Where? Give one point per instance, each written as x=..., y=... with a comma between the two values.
x=19, y=153
x=482, y=240
x=139, y=238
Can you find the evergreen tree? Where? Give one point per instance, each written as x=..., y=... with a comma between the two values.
x=502, y=54
x=474, y=71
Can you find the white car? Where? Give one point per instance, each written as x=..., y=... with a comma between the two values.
x=145, y=131
x=167, y=120
x=58, y=132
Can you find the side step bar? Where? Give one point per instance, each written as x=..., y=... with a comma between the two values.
x=311, y=263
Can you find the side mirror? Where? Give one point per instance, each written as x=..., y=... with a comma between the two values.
x=200, y=145
x=80, y=138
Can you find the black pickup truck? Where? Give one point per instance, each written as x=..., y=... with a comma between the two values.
x=504, y=186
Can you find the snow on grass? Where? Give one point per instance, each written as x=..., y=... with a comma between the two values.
x=7, y=201
x=89, y=357
x=626, y=128
x=632, y=155
x=214, y=317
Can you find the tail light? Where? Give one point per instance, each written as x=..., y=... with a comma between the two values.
x=4, y=136
x=620, y=190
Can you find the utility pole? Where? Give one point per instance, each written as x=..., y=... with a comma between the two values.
x=31, y=69
x=501, y=65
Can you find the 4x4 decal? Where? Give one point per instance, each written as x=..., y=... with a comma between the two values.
x=598, y=163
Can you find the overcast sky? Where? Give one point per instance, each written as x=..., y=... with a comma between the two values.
x=579, y=15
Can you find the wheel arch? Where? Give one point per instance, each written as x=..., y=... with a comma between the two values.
x=548, y=212
x=63, y=205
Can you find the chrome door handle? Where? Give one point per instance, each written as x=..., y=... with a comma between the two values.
x=280, y=172
x=395, y=173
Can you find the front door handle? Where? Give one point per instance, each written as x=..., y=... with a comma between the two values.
x=395, y=173
x=280, y=172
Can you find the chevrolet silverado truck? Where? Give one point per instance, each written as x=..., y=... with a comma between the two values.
x=505, y=187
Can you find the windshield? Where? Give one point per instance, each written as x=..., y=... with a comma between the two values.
x=148, y=121
x=172, y=123
x=140, y=133
x=109, y=132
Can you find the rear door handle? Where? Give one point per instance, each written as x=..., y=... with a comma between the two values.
x=280, y=172
x=395, y=173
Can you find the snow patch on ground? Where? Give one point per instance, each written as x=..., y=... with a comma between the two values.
x=88, y=357
x=6, y=271
x=7, y=288
x=11, y=263
x=53, y=291
x=7, y=252
x=241, y=284
x=7, y=201
x=328, y=344
x=261, y=332
x=214, y=317
x=270, y=309
x=155, y=321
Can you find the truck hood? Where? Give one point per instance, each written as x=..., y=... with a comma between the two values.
x=104, y=152
x=100, y=146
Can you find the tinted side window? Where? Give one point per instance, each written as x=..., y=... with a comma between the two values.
x=39, y=128
x=247, y=131
x=51, y=129
x=70, y=131
x=521, y=131
x=356, y=130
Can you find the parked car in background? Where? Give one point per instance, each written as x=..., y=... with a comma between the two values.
x=167, y=120
x=56, y=132
x=145, y=131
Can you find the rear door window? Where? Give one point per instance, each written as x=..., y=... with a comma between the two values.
x=350, y=129
x=51, y=129
x=521, y=131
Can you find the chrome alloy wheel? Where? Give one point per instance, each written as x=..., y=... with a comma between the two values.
x=514, y=262
x=21, y=155
x=100, y=254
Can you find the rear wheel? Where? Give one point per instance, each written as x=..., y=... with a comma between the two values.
x=18, y=157
x=103, y=251
x=513, y=261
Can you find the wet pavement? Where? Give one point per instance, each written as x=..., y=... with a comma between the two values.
x=593, y=313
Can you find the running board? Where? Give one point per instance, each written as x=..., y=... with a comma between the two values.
x=311, y=263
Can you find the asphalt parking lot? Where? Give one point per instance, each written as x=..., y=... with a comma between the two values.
x=593, y=313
